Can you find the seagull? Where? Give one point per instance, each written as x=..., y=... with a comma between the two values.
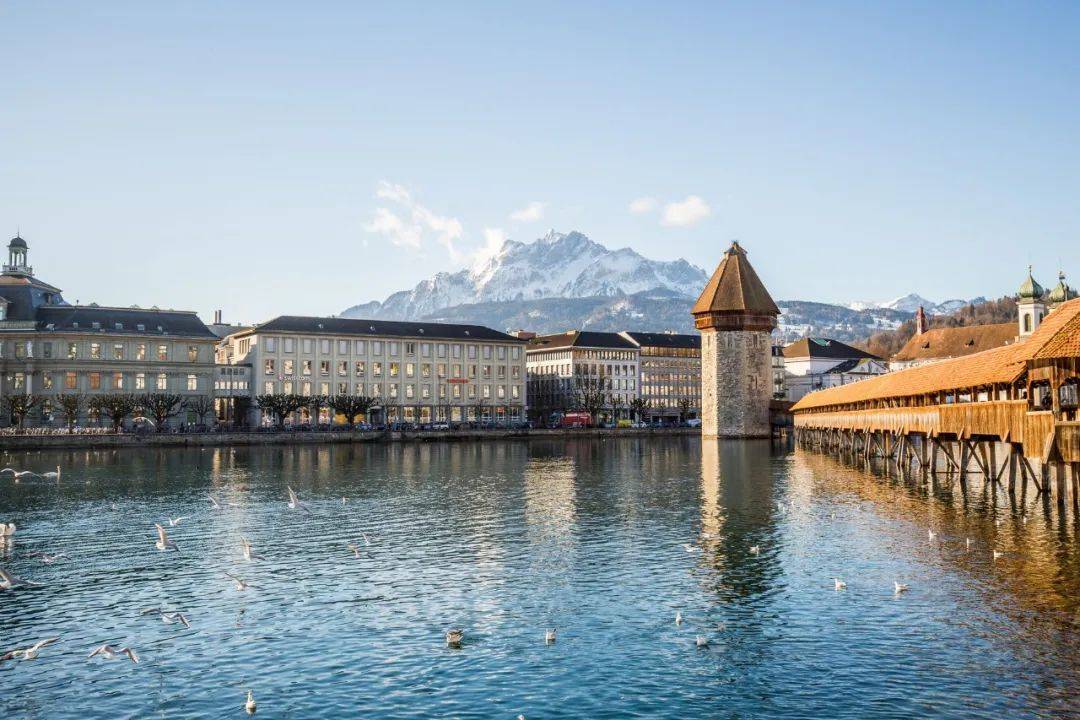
x=355, y=549
x=701, y=641
x=6, y=531
x=173, y=522
x=214, y=504
x=9, y=581
x=241, y=583
x=163, y=541
x=111, y=653
x=250, y=704
x=27, y=653
x=839, y=584
x=366, y=540
x=899, y=587
x=721, y=626
x=755, y=549
x=47, y=558
x=678, y=618
x=169, y=618
x=549, y=636
x=294, y=501
x=343, y=500
x=454, y=637
x=246, y=549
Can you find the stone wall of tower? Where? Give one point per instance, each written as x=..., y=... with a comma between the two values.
x=736, y=383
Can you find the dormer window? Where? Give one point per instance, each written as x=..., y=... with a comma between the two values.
x=95, y=325
x=119, y=326
x=141, y=327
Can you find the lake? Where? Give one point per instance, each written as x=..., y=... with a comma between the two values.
x=605, y=540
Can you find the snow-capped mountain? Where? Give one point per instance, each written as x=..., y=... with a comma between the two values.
x=912, y=302
x=558, y=265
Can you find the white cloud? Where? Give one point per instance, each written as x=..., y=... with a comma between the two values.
x=411, y=227
x=690, y=211
x=494, y=239
x=642, y=205
x=530, y=213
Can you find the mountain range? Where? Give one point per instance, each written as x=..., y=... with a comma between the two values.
x=565, y=280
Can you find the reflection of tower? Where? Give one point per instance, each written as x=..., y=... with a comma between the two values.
x=735, y=315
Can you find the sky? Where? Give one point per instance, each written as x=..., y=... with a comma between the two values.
x=272, y=158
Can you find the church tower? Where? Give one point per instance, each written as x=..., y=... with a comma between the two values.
x=1030, y=305
x=736, y=316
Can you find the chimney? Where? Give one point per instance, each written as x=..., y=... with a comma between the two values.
x=217, y=317
x=920, y=321
x=522, y=334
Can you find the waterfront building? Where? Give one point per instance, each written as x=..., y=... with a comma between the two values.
x=414, y=371
x=778, y=376
x=564, y=365
x=670, y=380
x=815, y=363
x=50, y=348
x=736, y=316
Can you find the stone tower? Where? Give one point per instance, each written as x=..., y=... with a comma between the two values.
x=736, y=316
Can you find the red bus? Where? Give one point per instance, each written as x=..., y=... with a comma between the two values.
x=576, y=420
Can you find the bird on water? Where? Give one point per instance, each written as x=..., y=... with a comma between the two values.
x=163, y=542
x=250, y=704
x=454, y=637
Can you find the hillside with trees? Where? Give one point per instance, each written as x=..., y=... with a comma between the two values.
x=886, y=343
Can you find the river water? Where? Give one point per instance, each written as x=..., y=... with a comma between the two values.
x=604, y=540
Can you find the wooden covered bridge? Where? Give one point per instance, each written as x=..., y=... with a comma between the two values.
x=1009, y=413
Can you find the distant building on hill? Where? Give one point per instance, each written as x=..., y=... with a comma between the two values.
x=815, y=363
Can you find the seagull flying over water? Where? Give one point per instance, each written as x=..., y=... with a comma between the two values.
x=294, y=501
x=27, y=653
x=163, y=541
x=169, y=618
x=111, y=653
x=173, y=522
x=245, y=547
x=47, y=558
x=354, y=548
x=214, y=504
x=241, y=583
x=9, y=581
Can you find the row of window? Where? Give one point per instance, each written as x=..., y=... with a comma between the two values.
x=394, y=369
x=70, y=380
x=395, y=390
x=393, y=348
x=103, y=351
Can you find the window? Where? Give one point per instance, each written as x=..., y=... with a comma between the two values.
x=441, y=350
x=343, y=388
x=270, y=344
x=343, y=368
x=20, y=349
x=268, y=366
x=376, y=390
x=324, y=388
x=502, y=352
x=500, y=392
x=457, y=392
x=425, y=349
x=95, y=380
x=487, y=391
x=515, y=392
x=360, y=368
x=192, y=382
x=95, y=351
x=456, y=351
x=343, y=347
x=162, y=382
x=394, y=368
x=410, y=390
x=410, y=370
x=118, y=381
x=360, y=388
x=162, y=352
x=288, y=366
x=324, y=367
x=487, y=352
x=140, y=381
x=425, y=391
x=472, y=352
x=515, y=353
x=46, y=350
x=393, y=390
x=324, y=346
x=501, y=372
x=46, y=381
x=305, y=387
x=376, y=369
x=287, y=387
x=118, y=351
x=140, y=351
x=18, y=381
x=359, y=347
x=485, y=372
x=307, y=345
x=305, y=367
x=410, y=349
x=425, y=370
x=268, y=387
x=73, y=350
x=392, y=349
x=288, y=344
x=193, y=353
x=71, y=381
x=376, y=347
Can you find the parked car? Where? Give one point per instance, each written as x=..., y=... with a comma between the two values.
x=693, y=422
x=441, y=425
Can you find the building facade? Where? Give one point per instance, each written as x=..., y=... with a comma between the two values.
x=815, y=363
x=50, y=348
x=736, y=316
x=561, y=366
x=670, y=381
x=415, y=372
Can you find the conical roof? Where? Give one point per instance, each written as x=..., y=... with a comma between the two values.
x=1030, y=290
x=735, y=288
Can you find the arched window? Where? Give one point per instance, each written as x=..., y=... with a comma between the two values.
x=1027, y=323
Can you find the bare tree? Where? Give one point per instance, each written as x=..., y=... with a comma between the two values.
x=591, y=395
x=18, y=406
x=71, y=405
x=684, y=408
x=638, y=406
x=280, y=405
x=315, y=404
x=115, y=406
x=350, y=406
x=201, y=405
x=161, y=406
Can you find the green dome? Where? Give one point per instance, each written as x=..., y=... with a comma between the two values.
x=1061, y=291
x=1030, y=290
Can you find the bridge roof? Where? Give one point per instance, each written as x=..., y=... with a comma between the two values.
x=1058, y=333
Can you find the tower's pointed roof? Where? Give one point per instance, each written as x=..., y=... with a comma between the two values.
x=735, y=287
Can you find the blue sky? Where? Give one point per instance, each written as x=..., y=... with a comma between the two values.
x=233, y=155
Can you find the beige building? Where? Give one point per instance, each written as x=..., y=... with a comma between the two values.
x=416, y=372
x=49, y=348
x=558, y=365
x=670, y=374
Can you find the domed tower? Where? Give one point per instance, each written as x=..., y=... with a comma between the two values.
x=1061, y=292
x=16, y=264
x=736, y=315
x=1030, y=306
